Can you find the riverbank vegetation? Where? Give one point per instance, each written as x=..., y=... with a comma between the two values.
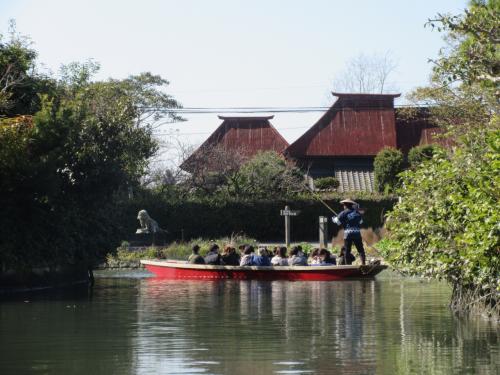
x=70, y=147
x=446, y=224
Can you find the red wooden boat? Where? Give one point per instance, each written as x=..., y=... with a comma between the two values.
x=170, y=269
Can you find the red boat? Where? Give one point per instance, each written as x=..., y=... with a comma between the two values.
x=170, y=269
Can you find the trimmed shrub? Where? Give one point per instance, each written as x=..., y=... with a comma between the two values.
x=387, y=165
x=258, y=219
x=326, y=183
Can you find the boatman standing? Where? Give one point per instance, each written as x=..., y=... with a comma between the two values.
x=350, y=219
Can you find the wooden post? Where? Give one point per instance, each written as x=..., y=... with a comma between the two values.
x=323, y=232
x=287, y=227
x=287, y=213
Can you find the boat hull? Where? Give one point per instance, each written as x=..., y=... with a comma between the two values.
x=179, y=270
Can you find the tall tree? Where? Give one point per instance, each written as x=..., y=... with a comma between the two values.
x=63, y=168
x=447, y=223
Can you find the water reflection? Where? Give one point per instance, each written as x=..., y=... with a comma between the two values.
x=252, y=327
x=152, y=326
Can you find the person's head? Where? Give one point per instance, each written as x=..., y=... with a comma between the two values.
x=282, y=251
x=248, y=250
x=241, y=248
x=294, y=251
x=213, y=248
x=348, y=204
x=315, y=252
x=228, y=249
x=324, y=254
x=276, y=250
x=195, y=249
x=263, y=251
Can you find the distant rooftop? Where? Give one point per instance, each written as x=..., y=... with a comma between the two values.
x=246, y=117
x=344, y=94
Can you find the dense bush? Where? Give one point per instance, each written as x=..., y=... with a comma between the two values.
x=419, y=154
x=387, y=165
x=450, y=229
x=326, y=183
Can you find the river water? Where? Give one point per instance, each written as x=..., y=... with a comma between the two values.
x=132, y=324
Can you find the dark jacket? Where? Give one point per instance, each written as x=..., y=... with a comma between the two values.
x=351, y=221
x=196, y=259
x=231, y=259
x=212, y=258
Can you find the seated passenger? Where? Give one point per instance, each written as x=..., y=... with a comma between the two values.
x=314, y=258
x=195, y=257
x=280, y=259
x=262, y=259
x=343, y=259
x=229, y=256
x=247, y=258
x=213, y=256
x=326, y=257
x=297, y=257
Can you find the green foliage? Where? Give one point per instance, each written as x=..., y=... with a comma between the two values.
x=20, y=84
x=472, y=55
x=178, y=250
x=266, y=176
x=63, y=170
x=447, y=223
x=387, y=165
x=326, y=183
x=420, y=154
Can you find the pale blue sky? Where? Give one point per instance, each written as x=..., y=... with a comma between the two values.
x=224, y=53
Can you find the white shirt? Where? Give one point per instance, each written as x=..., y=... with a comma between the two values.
x=279, y=261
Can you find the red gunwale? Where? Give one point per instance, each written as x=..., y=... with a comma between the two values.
x=180, y=270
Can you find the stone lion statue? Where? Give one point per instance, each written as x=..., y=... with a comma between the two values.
x=148, y=225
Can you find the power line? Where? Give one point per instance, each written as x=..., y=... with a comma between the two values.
x=198, y=133
x=261, y=110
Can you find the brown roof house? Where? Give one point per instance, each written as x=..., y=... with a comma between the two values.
x=343, y=143
x=345, y=140
x=236, y=138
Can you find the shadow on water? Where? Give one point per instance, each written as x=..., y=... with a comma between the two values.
x=153, y=326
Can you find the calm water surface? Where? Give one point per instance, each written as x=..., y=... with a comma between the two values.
x=138, y=325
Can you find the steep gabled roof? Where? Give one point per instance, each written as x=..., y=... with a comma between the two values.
x=247, y=135
x=355, y=125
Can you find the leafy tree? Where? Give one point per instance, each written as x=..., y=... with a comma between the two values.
x=63, y=169
x=446, y=225
x=20, y=83
x=472, y=54
x=266, y=176
x=388, y=163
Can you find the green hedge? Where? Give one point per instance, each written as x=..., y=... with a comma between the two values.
x=326, y=183
x=257, y=219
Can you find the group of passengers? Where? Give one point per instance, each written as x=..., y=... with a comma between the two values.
x=246, y=256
